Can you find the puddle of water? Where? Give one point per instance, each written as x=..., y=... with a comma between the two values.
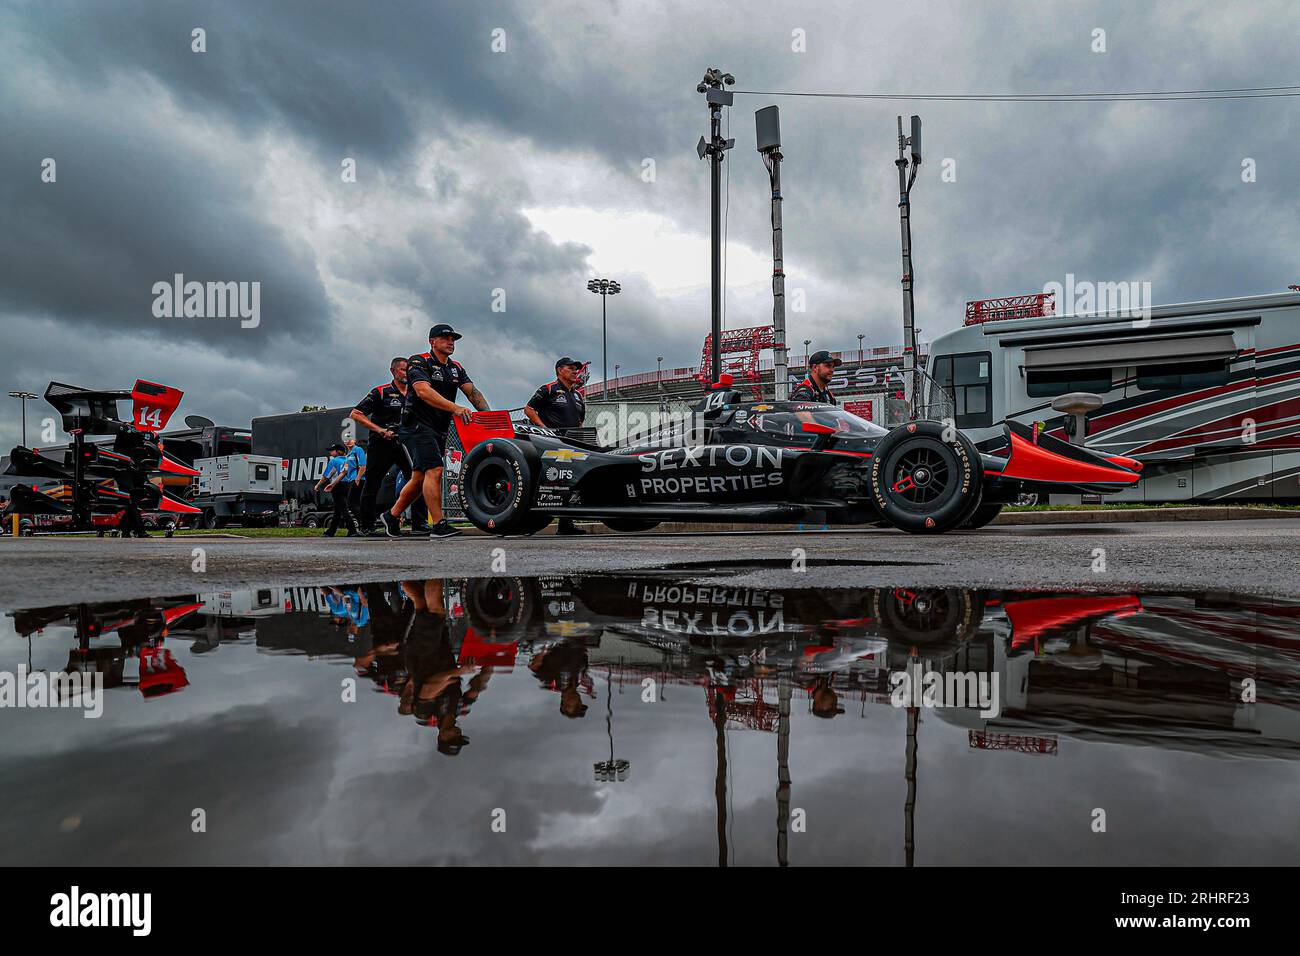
x=637, y=719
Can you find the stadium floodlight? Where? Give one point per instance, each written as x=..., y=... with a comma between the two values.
x=24, y=397
x=604, y=288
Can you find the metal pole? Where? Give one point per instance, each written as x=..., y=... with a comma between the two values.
x=24, y=422
x=720, y=778
x=783, y=771
x=604, y=349
x=905, y=226
x=780, y=374
x=715, y=191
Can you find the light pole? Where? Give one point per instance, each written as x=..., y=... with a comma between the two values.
x=806, y=343
x=25, y=397
x=616, y=368
x=861, y=354
x=604, y=288
x=715, y=148
x=908, y=145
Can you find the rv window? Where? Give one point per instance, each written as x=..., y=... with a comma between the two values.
x=1183, y=377
x=1049, y=384
x=966, y=378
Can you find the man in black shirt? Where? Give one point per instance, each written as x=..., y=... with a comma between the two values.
x=433, y=378
x=381, y=412
x=559, y=404
x=817, y=386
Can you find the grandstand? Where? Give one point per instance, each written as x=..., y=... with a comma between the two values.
x=865, y=371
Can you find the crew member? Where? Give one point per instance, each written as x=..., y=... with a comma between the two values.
x=434, y=379
x=335, y=478
x=356, y=467
x=381, y=412
x=559, y=404
x=817, y=386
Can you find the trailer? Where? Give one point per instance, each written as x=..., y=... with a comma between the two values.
x=298, y=441
x=1205, y=394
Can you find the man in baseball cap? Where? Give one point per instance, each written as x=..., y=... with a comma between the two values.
x=559, y=404
x=433, y=380
x=817, y=386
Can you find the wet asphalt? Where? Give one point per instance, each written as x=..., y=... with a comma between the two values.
x=1258, y=557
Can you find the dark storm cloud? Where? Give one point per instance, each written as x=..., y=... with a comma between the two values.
x=169, y=161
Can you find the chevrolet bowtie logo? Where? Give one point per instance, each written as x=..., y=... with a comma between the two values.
x=564, y=454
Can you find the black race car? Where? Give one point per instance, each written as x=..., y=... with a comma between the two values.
x=755, y=461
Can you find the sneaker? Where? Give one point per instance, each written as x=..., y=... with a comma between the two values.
x=392, y=527
x=443, y=529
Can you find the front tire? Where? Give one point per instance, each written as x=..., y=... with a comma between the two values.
x=496, y=489
x=926, y=478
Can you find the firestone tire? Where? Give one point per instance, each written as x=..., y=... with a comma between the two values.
x=496, y=488
x=926, y=478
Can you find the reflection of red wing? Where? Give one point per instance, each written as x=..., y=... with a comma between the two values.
x=476, y=651
x=1035, y=617
x=152, y=405
x=173, y=614
x=159, y=673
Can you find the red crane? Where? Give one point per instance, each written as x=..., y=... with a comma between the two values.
x=746, y=344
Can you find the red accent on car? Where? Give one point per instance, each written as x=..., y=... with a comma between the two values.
x=817, y=428
x=174, y=467
x=168, y=503
x=1123, y=462
x=1032, y=619
x=1031, y=462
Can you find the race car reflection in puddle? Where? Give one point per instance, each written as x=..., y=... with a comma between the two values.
x=1199, y=673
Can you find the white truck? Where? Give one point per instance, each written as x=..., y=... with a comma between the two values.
x=246, y=489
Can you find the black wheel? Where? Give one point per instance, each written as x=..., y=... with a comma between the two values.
x=986, y=512
x=1027, y=499
x=501, y=609
x=311, y=521
x=210, y=519
x=496, y=488
x=934, y=619
x=629, y=525
x=926, y=478
x=169, y=529
x=536, y=521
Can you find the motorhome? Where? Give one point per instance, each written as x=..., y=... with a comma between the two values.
x=1205, y=394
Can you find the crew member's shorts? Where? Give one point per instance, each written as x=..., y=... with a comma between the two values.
x=424, y=446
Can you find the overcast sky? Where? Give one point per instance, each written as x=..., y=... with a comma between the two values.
x=523, y=170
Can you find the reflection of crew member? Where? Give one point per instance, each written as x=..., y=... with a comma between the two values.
x=381, y=412
x=563, y=668
x=559, y=404
x=435, y=379
x=817, y=386
x=825, y=702
x=382, y=662
x=432, y=693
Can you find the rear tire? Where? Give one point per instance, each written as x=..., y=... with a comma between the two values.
x=925, y=480
x=496, y=489
x=982, y=515
x=311, y=521
x=629, y=525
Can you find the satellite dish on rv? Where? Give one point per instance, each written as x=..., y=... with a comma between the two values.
x=198, y=421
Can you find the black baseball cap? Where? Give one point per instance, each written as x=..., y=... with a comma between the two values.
x=442, y=328
x=565, y=360
x=336, y=447
x=820, y=356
